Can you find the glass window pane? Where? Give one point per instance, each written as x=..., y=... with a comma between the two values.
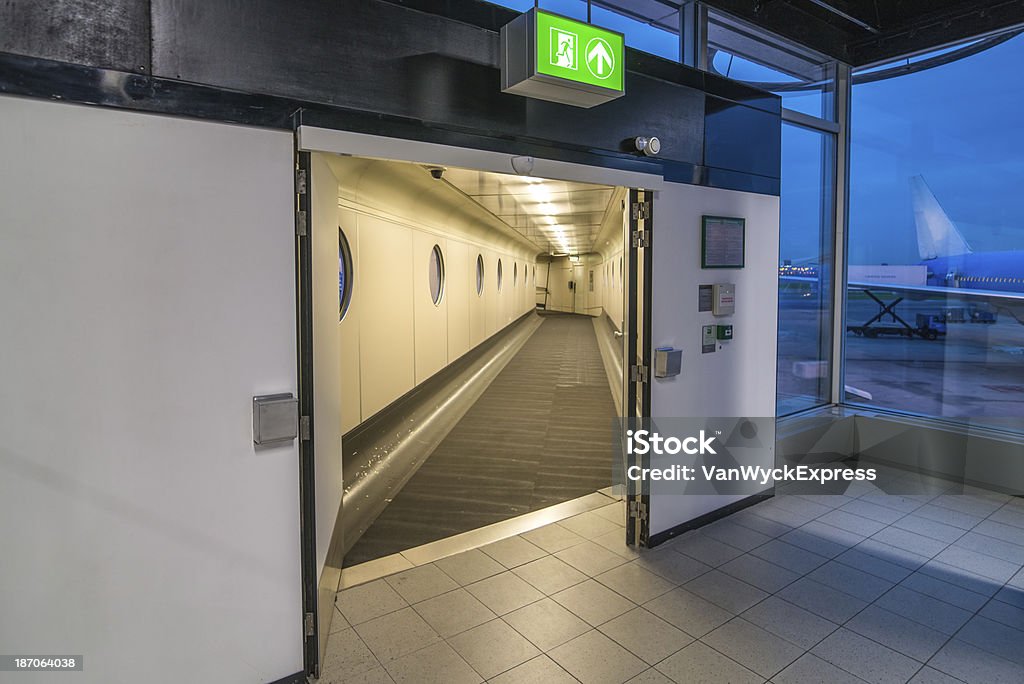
x=937, y=167
x=436, y=275
x=805, y=250
x=345, y=274
x=479, y=274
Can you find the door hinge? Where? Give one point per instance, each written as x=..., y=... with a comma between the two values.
x=310, y=624
x=304, y=428
x=300, y=181
x=639, y=373
x=638, y=510
x=300, y=223
x=641, y=238
x=641, y=210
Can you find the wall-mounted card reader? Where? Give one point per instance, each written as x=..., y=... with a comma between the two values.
x=707, y=339
x=275, y=419
x=667, y=362
x=723, y=299
x=723, y=332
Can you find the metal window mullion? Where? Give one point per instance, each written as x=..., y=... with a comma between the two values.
x=843, y=92
x=693, y=35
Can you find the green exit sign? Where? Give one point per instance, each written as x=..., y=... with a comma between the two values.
x=555, y=58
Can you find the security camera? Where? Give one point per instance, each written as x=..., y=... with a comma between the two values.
x=437, y=172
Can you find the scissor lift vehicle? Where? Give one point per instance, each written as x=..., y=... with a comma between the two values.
x=929, y=326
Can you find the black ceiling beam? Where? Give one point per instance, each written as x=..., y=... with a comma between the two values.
x=948, y=22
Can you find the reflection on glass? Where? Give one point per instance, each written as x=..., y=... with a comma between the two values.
x=936, y=251
x=805, y=289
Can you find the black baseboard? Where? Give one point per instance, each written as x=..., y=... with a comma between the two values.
x=707, y=518
x=297, y=678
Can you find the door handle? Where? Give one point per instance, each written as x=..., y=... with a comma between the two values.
x=616, y=333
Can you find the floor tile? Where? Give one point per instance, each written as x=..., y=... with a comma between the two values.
x=903, y=504
x=994, y=637
x=338, y=621
x=454, y=612
x=873, y=565
x=504, y=593
x=910, y=541
x=421, y=583
x=589, y=524
x=593, y=658
x=645, y=635
x=396, y=634
x=1011, y=595
x=794, y=558
x=546, y=624
x=927, y=675
x=677, y=568
x=929, y=528
x=961, y=577
x=892, y=554
x=753, y=647
x=593, y=602
x=1010, y=514
x=549, y=574
x=368, y=601
x=513, y=552
x=781, y=515
x=650, y=676
x=865, y=658
x=493, y=648
x=590, y=558
x=725, y=591
x=965, y=503
x=791, y=622
x=823, y=540
x=810, y=669
x=978, y=563
x=728, y=532
x=771, y=528
x=925, y=610
x=799, y=504
x=435, y=664
x=991, y=546
x=1007, y=614
x=469, y=566
x=346, y=656
x=616, y=543
x=850, y=580
x=707, y=550
x=635, y=583
x=851, y=522
x=975, y=666
x=872, y=511
x=998, y=530
x=948, y=516
x=534, y=671
x=897, y=632
x=700, y=663
x=944, y=591
x=759, y=573
x=552, y=538
x=821, y=600
x=688, y=612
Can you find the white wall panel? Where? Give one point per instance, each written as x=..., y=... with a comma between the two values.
x=461, y=281
x=431, y=320
x=146, y=294
x=385, y=290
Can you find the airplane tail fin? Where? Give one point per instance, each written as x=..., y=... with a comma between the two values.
x=937, y=236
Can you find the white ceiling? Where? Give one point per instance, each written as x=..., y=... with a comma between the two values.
x=558, y=216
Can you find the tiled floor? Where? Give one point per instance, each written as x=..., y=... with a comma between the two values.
x=880, y=588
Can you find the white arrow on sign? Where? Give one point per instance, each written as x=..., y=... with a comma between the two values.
x=600, y=57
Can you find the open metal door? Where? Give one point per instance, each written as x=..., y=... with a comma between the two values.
x=637, y=369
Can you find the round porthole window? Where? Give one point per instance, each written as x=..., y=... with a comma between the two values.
x=345, y=273
x=622, y=275
x=515, y=274
x=436, y=274
x=499, y=275
x=479, y=274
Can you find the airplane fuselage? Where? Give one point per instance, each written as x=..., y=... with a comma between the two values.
x=999, y=271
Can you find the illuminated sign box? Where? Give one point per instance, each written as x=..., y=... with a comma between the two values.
x=550, y=57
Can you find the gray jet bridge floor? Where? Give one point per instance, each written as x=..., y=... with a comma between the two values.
x=539, y=435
